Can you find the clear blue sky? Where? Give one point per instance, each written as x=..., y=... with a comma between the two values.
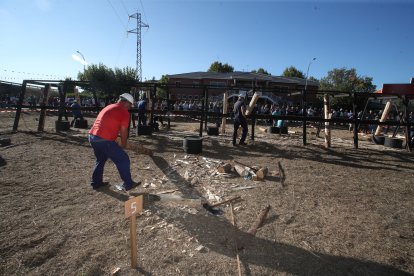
x=39, y=37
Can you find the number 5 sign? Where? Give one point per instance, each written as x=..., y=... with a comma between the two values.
x=132, y=208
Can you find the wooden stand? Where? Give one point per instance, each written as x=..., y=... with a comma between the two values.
x=132, y=207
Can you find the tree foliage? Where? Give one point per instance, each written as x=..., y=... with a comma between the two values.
x=108, y=82
x=293, y=72
x=347, y=80
x=161, y=92
x=261, y=71
x=218, y=67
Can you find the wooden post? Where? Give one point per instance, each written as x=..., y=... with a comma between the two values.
x=356, y=125
x=168, y=107
x=19, y=106
x=327, y=124
x=132, y=207
x=206, y=106
x=202, y=111
x=233, y=221
x=304, y=116
x=223, y=120
x=133, y=238
x=407, y=127
x=41, y=124
x=384, y=115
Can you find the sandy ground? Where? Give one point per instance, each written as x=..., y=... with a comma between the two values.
x=336, y=211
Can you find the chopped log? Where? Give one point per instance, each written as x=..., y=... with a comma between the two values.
x=253, y=102
x=259, y=221
x=262, y=129
x=262, y=173
x=240, y=169
x=137, y=148
x=224, y=168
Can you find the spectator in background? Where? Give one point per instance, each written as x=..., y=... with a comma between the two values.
x=76, y=112
x=240, y=120
x=142, y=116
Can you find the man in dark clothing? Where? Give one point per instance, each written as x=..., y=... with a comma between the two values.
x=142, y=117
x=240, y=120
x=76, y=111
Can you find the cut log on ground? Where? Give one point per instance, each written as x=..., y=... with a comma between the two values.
x=262, y=173
x=259, y=221
x=224, y=168
x=137, y=148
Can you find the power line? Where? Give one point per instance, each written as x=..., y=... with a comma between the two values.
x=117, y=15
x=123, y=5
x=143, y=11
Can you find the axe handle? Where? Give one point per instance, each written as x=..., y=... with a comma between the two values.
x=225, y=201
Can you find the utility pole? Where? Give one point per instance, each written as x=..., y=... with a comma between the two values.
x=137, y=31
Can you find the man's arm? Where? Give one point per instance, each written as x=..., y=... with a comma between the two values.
x=243, y=110
x=124, y=136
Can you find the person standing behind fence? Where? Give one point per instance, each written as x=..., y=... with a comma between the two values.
x=142, y=116
x=240, y=120
x=112, y=121
x=76, y=112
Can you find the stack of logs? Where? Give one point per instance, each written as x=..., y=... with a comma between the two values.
x=256, y=173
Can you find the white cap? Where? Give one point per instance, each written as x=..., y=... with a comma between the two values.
x=127, y=97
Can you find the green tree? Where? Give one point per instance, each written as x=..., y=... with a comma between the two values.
x=293, y=72
x=347, y=80
x=220, y=68
x=261, y=71
x=107, y=82
x=162, y=92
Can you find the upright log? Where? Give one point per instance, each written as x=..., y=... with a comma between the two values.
x=19, y=106
x=384, y=115
x=223, y=120
x=253, y=102
x=41, y=124
x=327, y=124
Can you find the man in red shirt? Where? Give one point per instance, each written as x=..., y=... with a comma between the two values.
x=112, y=121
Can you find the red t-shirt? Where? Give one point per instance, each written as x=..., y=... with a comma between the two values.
x=109, y=121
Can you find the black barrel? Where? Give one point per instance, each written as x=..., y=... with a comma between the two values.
x=273, y=129
x=393, y=142
x=193, y=144
x=212, y=130
x=284, y=130
x=378, y=139
x=81, y=124
x=144, y=130
x=62, y=125
x=5, y=142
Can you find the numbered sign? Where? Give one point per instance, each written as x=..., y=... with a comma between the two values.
x=133, y=206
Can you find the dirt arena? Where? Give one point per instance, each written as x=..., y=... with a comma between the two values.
x=336, y=211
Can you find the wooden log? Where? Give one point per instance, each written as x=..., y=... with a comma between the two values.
x=384, y=115
x=239, y=169
x=253, y=102
x=262, y=173
x=223, y=120
x=327, y=115
x=262, y=129
x=224, y=168
x=259, y=221
x=135, y=147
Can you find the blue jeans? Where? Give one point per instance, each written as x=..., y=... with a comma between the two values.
x=237, y=123
x=103, y=150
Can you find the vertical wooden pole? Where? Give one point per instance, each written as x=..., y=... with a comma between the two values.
x=133, y=238
x=19, y=106
x=327, y=124
x=41, y=124
x=384, y=115
x=356, y=124
x=407, y=126
x=168, y=107
x=223, y=120
x=206, y=107
x=233, y=221
x=304, y=116
x=203, y=99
